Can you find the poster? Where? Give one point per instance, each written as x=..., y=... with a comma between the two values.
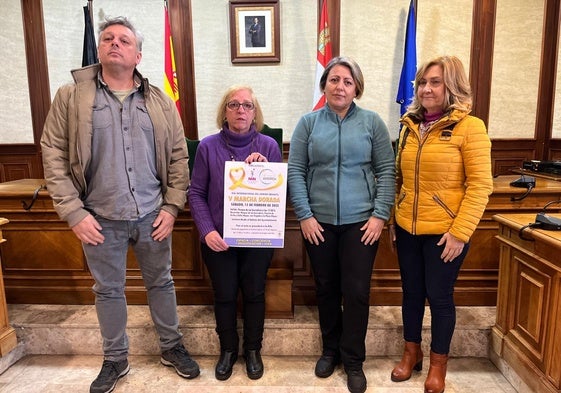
x=254, y=204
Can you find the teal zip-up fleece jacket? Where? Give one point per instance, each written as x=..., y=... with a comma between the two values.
x=341, y=171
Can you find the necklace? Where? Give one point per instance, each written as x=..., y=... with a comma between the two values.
x=226, y=141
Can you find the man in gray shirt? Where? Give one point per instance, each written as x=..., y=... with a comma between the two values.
x=115, y=162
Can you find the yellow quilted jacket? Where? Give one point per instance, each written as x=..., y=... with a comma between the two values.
x=443, y=180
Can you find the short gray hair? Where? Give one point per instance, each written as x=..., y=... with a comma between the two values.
x=123, y=21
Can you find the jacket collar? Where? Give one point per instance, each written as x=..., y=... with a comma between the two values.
x=93, y=72
x=450, y=118
x=333, y=113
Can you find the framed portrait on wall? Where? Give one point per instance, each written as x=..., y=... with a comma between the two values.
x=255, y=31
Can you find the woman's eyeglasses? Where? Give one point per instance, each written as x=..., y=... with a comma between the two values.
x=234, y=105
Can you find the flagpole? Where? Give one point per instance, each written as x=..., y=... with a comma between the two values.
x=323, y=55
x=406, y=88
x=89, y=49
x=170, y=72
x=90, y=9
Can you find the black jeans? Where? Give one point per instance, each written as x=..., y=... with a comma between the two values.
x=425, y=276
x=237, y=269
x=342, y=268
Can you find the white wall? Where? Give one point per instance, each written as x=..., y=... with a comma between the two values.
x=15, y=112
x=516, y=65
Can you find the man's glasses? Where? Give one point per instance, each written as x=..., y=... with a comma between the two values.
x=234, y=105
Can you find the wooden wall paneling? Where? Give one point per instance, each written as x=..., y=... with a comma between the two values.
x=8, y=337
x=334, y=14
x=37, y=75
x=303, y=291
x=44, y=263
x=508, y=154
x=19, y=161
x=37, y=64
x=181, y=30
x=42, y=258
x=505, y=153
x=193, y=285
x=481, y=63
x=385, y=287
x=548, y=74
x=502, y=322
x=555, y=149
x=478, y=279
x=553, y=370
x=533, y=288
x=529, y=303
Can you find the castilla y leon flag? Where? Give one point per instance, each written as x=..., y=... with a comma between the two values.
x=405, y=90
x=170, y=77
x=323, y=55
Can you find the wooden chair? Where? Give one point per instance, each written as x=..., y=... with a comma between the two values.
x=192, y=145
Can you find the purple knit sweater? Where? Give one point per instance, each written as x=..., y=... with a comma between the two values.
x=206, y=192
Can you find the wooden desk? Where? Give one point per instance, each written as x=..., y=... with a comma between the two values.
x=543, y=175
x=8, y=339
x=43, y=261
x=528, y=327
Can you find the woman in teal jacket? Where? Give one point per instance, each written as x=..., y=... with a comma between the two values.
x=341, y=179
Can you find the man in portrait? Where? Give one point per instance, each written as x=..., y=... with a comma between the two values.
x=256, y=33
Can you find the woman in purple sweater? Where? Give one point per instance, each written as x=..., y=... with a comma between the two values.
x=240, y=119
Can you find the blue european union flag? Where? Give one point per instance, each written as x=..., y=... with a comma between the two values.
x=405, y=90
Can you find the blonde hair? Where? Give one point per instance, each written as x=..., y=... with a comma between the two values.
x=221, y=113
x=457, y=93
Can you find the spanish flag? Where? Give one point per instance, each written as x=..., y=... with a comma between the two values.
x=170, y=77
x=323, y=55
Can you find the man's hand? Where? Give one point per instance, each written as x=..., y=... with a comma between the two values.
x=164, y=225
x=88, y=231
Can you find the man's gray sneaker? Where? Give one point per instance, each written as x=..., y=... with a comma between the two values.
x=109, y=375
x=179, y=358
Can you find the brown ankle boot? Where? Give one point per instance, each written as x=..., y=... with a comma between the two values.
x=412, y=360
x=437, y=373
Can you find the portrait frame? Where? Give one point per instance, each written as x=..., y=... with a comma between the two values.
x=254, y=31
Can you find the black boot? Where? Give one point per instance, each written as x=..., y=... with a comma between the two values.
x=326, y=365
x=224, y=366
x=356, y=381
x=253, y=364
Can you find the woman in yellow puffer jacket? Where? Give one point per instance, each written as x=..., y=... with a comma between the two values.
x=443, y=185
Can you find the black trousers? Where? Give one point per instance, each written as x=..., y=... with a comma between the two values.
x=342, y=269
x=230, y=271
x=425, y=276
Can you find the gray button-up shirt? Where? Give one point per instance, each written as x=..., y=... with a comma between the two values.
x=122, y=179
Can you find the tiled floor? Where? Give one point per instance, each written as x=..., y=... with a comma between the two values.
x=283, y=374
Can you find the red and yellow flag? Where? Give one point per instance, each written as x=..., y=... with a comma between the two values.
x=170, y=77
x=323, y=55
